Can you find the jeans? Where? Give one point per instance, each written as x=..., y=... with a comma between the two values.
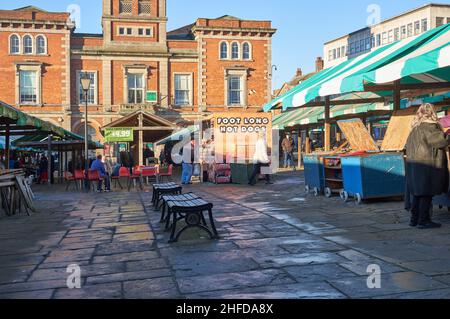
x=187, y=171
x=256, y=171
x=107, y=183
x=288, y=162
x=420, y=211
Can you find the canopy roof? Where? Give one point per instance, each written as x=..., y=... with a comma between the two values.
x=41, y=142
x=312, y=115
x=176, y=136
x=153, y=126
x=23, y=124
x=421, y=59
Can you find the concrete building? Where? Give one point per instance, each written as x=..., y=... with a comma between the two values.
x=211, y=65
x=405, y=25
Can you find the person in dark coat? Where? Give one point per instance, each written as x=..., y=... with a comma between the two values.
x=426, y=165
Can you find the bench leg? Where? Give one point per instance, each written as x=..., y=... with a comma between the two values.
x=213, y=226
x=167, y=220
x=163, y=212
x=173, y=239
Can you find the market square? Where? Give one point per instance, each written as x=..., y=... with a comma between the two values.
x=145, y=158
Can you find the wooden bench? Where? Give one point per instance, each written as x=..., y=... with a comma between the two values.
x=174, y=198
x=192, y=213
x=160, y=190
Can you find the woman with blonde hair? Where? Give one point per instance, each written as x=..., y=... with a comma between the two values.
x=426, y=165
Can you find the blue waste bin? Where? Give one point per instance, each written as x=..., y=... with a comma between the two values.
x=373, y=176
x=314, y=173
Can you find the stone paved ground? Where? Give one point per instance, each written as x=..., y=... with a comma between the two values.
x=276, y=242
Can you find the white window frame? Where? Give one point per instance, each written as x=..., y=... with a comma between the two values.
x=79, y=89
x=227, y=50
x=250, y=51
x=239, y=57
x=417, y=27
x=191, y=88
x=45, y=44
x=33, y=67
x=32, y=44
x=19, y=39
x=135, y=70
x=424, y=23
x=243, y=74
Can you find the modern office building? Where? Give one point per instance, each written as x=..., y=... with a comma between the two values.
x=405, y=25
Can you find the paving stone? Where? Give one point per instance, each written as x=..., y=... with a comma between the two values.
x=159, y=288
x=136, y=256
x=133, y=237
x=397, y=283
x=86, y=271
x=233, y=281
x=101, y=291
x=299, y=259
x=430, y=267
x=36, y=294
x=312, y=290
x=128, y=276
x=436, y=294
x=70, y=256
x=146, y=265
x=123, y=247
x=317, y=273
x=31, y=286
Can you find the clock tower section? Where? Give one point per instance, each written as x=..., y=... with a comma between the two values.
x=135, y=25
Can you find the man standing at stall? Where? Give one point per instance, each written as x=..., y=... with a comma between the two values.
x=426, y=165
x=288, y=147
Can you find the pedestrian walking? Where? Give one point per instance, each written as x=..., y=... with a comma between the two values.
x=260, y=159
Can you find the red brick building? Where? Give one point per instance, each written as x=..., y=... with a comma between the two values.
x=209, y=66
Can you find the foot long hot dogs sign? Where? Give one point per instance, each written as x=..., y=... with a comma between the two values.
x=235, y=134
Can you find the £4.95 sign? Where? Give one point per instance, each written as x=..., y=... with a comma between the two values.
x=119, y=135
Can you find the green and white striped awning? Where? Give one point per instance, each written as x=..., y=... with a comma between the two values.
x=313, y=115
x=421, y=59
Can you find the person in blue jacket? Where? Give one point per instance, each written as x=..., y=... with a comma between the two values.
x=99, y=166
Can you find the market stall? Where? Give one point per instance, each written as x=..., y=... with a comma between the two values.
x=376, y=173
x=235, y=136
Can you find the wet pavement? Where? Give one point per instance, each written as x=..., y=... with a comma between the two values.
x=276, y=242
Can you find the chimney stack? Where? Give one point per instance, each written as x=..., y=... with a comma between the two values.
x=299, y=72
x=319, y=64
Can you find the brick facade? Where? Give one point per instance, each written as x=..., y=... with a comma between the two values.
x=134, y=48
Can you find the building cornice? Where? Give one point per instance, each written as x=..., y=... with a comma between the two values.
x=202, y=29
x=134, y=19
x=67, y=25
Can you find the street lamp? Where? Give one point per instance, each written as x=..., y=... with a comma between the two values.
x=85, y=85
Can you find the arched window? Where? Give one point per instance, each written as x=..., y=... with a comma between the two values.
x=14, y=44
x=235, y=51
x=92, y=132
x=224, y=51
x=246, y=51
x=27, y=44
x=41, y=45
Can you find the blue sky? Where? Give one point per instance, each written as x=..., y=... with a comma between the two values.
x=303, y=26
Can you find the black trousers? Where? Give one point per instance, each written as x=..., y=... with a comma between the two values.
x=421, y=207
x=256, y=172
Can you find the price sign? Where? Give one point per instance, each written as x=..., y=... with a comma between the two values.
x=120, y=134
